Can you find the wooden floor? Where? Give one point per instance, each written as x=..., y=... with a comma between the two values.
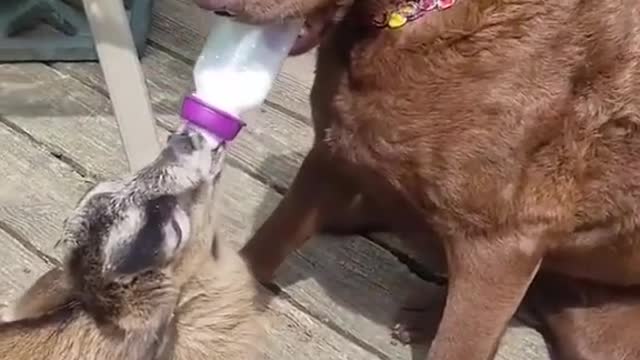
x=58, y=135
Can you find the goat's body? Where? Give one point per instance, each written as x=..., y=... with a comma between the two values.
x=146, y=278
x=68, y=334
x=68, y=331
x=217, y=317
x=218, y=314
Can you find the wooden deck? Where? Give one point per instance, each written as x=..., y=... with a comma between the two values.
x=58, y=135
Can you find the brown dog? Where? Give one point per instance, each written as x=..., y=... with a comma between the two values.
x=509, y=128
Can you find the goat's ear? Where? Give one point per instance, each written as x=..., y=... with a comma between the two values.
x=77, y=226
x=74, y=229
x=164, y=229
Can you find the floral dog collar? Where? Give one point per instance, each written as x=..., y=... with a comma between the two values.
x=412, y=10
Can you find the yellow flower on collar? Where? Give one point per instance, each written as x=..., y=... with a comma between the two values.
x=402, y=15
x=410, y=11
x=396, y=20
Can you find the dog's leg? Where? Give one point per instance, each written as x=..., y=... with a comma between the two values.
x=359, y=216
x=582, y=320
x=418, y=319
x=320, y=198
x=48, y=293
x=487, y=281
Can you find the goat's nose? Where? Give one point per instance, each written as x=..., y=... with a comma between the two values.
x=186, y=141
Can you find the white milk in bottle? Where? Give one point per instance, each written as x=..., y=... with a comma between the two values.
x=234, y=73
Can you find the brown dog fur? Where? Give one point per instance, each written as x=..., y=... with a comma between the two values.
x=200, y=303
x=508, y=128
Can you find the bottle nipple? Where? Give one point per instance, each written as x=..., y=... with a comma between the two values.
x=215, y=122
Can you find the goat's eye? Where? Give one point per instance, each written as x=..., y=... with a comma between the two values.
x=161, y=207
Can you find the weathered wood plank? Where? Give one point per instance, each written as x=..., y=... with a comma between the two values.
x=18, y=267
x=53, y=182
x=328, y=278
x=299, y=336
x=289, y=323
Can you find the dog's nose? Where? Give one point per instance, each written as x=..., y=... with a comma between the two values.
x=186, y=141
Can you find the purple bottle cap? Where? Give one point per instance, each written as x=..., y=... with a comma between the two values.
x=219, y=123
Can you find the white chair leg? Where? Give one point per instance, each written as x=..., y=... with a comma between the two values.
x=125, y=80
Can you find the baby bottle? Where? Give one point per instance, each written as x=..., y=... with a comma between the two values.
x=234, y=73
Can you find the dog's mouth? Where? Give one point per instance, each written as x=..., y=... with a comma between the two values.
x=314, y=28
x=226, y=13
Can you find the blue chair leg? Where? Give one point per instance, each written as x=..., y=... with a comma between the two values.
x=71, y=39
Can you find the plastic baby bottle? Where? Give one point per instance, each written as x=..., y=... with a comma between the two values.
x=235, y=72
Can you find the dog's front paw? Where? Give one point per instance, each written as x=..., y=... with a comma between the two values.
x=418, y=318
